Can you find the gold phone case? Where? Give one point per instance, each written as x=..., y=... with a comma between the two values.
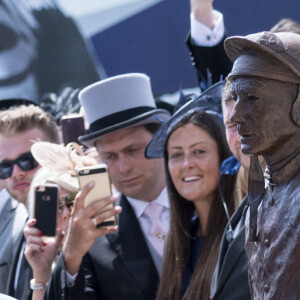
x=102, y=189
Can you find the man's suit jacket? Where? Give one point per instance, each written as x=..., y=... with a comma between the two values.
x=23, y=291
x=12, y=221
x=209, y=60
x=118, y=266
x=230, y=279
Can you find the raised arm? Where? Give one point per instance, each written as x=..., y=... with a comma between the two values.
x=205, y=43
x=82, y=229
x=40, y=253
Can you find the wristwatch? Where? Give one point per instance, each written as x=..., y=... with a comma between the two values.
x=37, y=285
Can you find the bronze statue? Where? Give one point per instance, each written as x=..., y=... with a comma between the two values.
x=265, y=85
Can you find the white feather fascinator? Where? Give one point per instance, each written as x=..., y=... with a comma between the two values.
x=62, y=162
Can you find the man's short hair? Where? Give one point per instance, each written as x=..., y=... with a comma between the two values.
x=226, y=94
x=18, y=119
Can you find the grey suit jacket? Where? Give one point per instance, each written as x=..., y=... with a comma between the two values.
x=12, y=221
x=7, y=211
x=230, y=278
x=118, y=266
x=22, y=291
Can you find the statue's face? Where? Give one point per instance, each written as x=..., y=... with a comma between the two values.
x=263, y=112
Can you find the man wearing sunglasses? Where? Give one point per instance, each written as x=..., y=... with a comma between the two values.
x=20, y=126
x=26, y=164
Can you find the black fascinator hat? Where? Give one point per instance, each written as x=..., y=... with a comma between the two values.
x=209, y=101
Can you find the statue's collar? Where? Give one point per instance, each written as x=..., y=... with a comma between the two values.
x=284, y=170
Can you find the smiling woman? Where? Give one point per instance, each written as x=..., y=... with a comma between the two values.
x=194, y=147
x=194, y=150
x=193, y=163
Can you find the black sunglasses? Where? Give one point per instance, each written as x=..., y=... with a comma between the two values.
x=67, y=201
x=25, y=161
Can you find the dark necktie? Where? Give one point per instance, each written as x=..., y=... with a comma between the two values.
x=23, y=291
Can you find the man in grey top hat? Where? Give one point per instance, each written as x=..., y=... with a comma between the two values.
x=124, y=263
x=265, y=86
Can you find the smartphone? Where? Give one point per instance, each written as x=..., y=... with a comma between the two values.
x=102, y=189
x=46, y=208
x=72, y=127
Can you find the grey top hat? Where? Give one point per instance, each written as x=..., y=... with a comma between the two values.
x=209, y=101
x=281, y=47
x=119, y=102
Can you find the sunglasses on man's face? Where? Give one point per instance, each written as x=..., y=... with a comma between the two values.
x=26, y=162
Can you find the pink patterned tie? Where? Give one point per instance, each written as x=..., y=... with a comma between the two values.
x=158, y=231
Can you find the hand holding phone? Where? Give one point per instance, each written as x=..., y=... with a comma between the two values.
x=102, y=189
x=45, y=208
x=82, y=231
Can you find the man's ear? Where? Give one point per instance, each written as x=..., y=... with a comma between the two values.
x=296, y=109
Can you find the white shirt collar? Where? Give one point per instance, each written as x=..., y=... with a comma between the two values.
x=204, y=36
x=140, y=205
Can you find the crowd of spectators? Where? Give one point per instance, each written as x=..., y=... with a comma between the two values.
x=198, y=193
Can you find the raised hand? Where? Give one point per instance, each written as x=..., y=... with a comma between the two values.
x=41, y=251
x=82, y=227
x=203, y=12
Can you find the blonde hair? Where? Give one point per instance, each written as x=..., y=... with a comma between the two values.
x=18, y=119
x=41, y=177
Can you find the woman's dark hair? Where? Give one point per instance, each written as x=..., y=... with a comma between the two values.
x=177, y=252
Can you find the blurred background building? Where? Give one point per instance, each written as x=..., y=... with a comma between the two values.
x=119, y=36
